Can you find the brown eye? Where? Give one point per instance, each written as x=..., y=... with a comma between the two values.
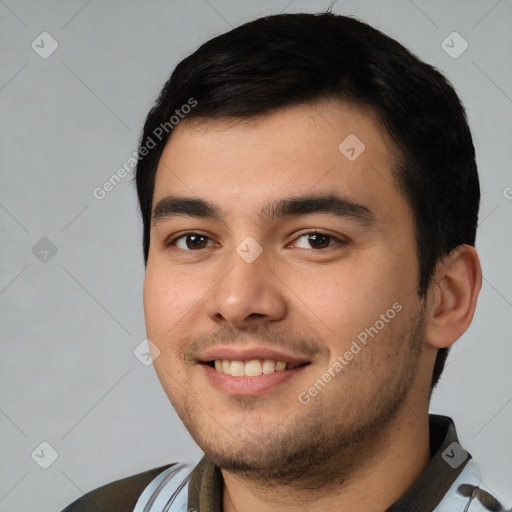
x=316, y=240
x=196, y=241
x=319, y=240
x=190, y=242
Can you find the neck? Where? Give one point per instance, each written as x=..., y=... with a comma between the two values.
x=397, y=456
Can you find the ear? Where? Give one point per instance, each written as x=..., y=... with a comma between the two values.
x=452, y=296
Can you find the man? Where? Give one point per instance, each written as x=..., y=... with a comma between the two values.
x=310, y=197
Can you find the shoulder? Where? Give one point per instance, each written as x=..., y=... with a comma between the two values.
x=121, y=495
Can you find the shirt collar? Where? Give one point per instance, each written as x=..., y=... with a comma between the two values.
x=441, y=472
x=206, y=483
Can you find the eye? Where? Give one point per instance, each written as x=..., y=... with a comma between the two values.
x=190, y=242
x=317, y=240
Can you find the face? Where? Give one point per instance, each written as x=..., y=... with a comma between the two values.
x=281, y=287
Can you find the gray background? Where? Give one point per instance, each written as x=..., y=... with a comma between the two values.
x=70, y=321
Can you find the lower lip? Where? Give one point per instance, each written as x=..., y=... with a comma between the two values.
x=245, y=386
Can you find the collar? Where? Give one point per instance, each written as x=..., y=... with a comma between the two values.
x=431, y=486
x=206, y=483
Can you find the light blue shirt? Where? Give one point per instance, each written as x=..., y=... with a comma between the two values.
x=168, y=492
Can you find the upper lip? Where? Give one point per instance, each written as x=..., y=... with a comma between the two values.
x=247, y=353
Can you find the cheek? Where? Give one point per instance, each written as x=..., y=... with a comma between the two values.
x=169, y=301
x=351, y=297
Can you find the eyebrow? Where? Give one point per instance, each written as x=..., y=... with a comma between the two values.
x=331, y=204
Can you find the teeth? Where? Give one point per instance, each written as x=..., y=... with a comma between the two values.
x=269, y=366
x=252, y=368
x=280, y=367
x=226, y=366
x=237, y=368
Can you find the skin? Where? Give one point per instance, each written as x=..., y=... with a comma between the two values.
x=368, y=425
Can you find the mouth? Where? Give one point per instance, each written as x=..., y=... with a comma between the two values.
x=252, y=367
x=251, y=370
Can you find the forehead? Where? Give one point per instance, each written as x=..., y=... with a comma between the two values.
x=305, y=149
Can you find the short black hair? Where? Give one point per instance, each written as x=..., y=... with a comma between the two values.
x=291, y=59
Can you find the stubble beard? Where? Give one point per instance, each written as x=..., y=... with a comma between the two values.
x=323, y=443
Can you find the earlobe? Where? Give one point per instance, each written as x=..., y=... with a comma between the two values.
x=453, y=296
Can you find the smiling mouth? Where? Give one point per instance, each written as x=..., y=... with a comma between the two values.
x=252, y=367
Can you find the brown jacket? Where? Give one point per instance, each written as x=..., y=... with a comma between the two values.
x=118, y=496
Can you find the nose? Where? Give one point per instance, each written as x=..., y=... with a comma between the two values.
x=247, y=293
